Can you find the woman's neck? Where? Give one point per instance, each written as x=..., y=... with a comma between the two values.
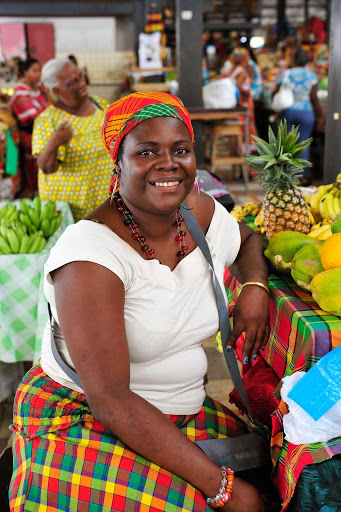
x=83, y=108
x=29, y=84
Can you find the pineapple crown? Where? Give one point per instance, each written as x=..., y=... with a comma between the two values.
x=277, y=161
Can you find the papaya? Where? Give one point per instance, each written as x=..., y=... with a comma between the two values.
x=283, y=247
x=326, y=290
x=331, y=252
x=305, y=265
x=336, y=226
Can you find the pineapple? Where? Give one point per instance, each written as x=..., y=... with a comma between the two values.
x=285, y=208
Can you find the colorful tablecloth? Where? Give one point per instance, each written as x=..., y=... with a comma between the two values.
x=301, y=333
x=23, y=307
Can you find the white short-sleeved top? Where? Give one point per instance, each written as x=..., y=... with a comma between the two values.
x=167, y=313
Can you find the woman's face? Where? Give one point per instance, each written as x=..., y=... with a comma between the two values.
x=71, y=85
x=157, y=168
x=32, y=75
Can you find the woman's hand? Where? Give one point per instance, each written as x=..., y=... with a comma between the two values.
x=48, y=159
x=251, y=314
x=61, y=135
x=245, y=498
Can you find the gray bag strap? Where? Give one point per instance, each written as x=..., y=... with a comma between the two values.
x=65, y=367
x=224, y=322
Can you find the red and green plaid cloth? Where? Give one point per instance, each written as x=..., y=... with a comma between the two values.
x=301, y=333
x=65, y=460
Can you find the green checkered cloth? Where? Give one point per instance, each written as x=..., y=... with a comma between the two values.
x=23, y=307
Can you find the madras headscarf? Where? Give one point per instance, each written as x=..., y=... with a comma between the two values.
x=129, y=111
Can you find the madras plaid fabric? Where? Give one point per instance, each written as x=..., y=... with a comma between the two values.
x=126, y=113
x=290, y=459
x=300, y=335
x=65, y=460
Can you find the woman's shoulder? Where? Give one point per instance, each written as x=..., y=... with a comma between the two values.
x=49, y=113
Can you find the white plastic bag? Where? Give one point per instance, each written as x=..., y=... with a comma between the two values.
x=219, y=93
x=284, y=98
x=300, y=427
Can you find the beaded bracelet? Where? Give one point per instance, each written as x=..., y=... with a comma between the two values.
x=225, y=491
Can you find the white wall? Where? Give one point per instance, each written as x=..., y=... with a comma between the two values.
x=78, y=35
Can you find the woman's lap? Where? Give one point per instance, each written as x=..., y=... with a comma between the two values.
x=70, y=462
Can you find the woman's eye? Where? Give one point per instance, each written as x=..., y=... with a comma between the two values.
x=181, y=151
x=145, y=152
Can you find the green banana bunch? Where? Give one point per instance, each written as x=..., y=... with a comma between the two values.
x=40, y=216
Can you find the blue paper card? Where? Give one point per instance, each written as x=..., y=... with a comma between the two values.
x=320, y=388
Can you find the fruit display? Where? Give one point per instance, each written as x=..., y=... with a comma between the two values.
x=331, y=252
x=326, y=290
x=283, y=246
x=279, y=168
x=305, y=265
x=241, y=211
x=25, y=230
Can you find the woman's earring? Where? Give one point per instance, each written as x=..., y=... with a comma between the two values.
x=196, y=183
x=114, y=176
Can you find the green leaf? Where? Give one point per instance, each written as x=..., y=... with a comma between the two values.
x=273, y=161
x=263, y=145
x=271, y=136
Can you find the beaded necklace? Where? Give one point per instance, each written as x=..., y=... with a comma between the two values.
x=136, y=235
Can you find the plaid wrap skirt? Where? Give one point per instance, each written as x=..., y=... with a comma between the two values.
x=65, y=460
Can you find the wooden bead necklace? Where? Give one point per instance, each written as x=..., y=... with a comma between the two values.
x=136, y=235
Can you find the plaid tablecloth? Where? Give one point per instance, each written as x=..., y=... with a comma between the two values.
x=301, y=333
x=23, y=307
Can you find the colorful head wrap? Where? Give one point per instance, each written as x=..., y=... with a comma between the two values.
x=129, y=111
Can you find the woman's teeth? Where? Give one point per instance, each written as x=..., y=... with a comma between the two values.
x=165, y=183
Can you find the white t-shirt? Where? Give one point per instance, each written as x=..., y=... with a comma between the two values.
x=167, y=313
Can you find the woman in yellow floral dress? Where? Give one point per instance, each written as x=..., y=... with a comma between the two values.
x=73, y=165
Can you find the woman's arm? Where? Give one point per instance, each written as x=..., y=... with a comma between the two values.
x=48, y=160
x=251, y=312
x=90, y=304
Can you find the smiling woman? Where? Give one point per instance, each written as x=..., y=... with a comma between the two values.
x=109, y=418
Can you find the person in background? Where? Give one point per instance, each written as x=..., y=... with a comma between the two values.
x=132, y=299
x=73, y=165
x=242, y=74
x=27, y=103
x=306, y=109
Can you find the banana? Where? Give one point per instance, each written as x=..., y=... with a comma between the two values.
x=53, y=225
x=311, y=217
x=316, y=199
x=259, y=220
x=24, y=219
x=13, y=216
x=25, y=242
x=336, y=204
x=42, y=244
x=34, y=217
x=45, y=211
x=35, y=245
x=24, y=206
x=4, y=246
x=4, y=210
x=13, y=240
x=326, y=206
x=37, y=205
x=59, y=220
x=318, y=232
x=326, y=234
x=45, y=226
x=338, y=177
x=3, y=231
x=32, y=239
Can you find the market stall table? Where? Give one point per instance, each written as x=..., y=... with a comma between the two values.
x=23, y=307
x=301, y=334
x=224, y=114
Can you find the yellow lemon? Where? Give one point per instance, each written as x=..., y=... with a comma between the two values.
x=330, y=252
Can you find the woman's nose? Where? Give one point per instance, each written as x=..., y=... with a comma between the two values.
x=167, y=161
